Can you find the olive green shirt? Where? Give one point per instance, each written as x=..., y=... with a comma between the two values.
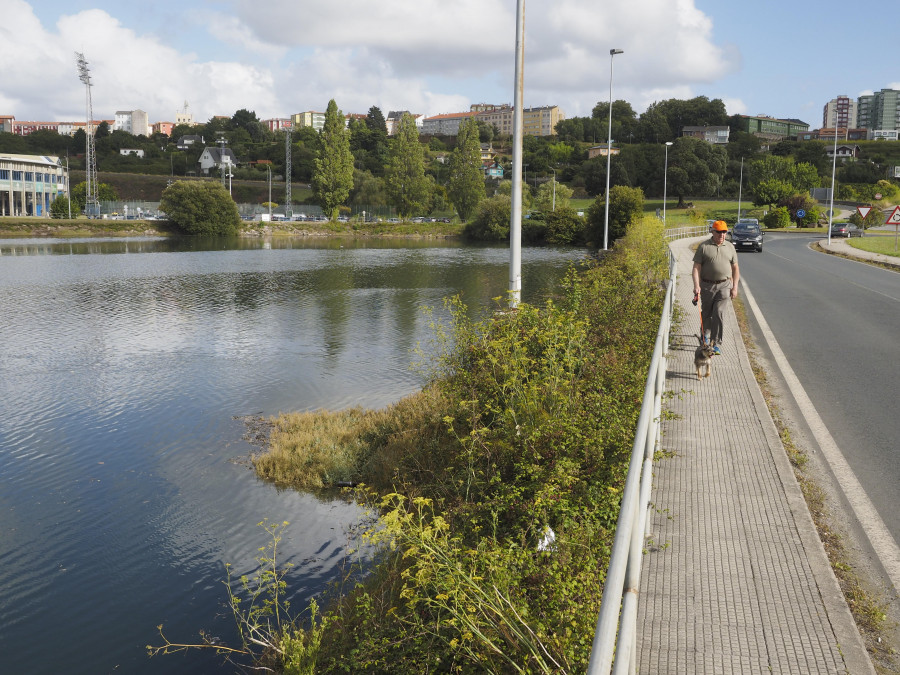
x=715, y=261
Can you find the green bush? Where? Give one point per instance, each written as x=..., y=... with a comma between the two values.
x=564, y=226
x=626, y=205
x=59, y=207
x=777, y=218
x=200, y=207
x=492, y=221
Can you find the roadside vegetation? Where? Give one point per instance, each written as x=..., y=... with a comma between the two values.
x=524, y=429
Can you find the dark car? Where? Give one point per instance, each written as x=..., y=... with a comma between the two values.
x=845, y=230
x=746, y=234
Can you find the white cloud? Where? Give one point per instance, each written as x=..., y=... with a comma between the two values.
x=428, y=56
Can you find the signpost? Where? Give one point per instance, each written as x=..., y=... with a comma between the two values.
x=894, y=219
x=800, y=215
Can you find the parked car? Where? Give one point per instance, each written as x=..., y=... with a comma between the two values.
x=746, y=234
x=845, y=230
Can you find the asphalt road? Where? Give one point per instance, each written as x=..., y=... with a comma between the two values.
x=838, y=323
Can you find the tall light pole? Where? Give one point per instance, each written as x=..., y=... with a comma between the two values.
x=740, y=188
x=515, y=217
x=269, y=170
x=554, y=190
x=612, y=53
x=665, y=179
x=833, y=172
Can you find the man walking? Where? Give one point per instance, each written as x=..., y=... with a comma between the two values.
x=716, y=277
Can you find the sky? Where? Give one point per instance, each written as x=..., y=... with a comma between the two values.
x=782, y=58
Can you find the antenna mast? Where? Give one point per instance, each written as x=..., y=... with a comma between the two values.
x=91, y=202
x=288, y=209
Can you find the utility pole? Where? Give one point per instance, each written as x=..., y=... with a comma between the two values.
x=288, y=210
x=91, y=202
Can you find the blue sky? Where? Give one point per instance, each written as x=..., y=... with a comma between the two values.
x=278, y=57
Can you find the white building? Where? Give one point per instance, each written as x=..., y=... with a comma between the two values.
x=30, y=183
x=840, y=112
x=133, y=121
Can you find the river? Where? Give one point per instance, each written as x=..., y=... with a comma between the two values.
x=125, y=368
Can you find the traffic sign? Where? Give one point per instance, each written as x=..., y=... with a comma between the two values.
x=863, y=210
x=801, y=213
x=894, y=218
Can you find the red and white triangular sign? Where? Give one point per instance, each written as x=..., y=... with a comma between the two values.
x=894, y=218
x=864, y=210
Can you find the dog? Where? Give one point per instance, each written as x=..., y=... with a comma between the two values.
x=703, y=357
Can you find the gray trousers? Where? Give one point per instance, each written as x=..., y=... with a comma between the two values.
x=713, y=299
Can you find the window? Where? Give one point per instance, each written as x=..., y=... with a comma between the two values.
x=29, y=176
x=17, y=175
x=4, y=174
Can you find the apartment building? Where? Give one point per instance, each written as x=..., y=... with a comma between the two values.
x=133, y=121
x=30, y=183
x=445, y=125
x=714, y=135
x=315, y=120
x=539, y=121
x=840, y=112
x=880, y=111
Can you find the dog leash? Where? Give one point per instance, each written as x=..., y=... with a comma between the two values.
x=699, y=309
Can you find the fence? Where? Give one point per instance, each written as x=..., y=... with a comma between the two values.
x=618, y=607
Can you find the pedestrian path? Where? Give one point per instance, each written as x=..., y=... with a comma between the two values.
x=735, y=579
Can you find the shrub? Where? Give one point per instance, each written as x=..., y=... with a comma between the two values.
x=200, y=207
x=59, y=207
x=626, y=205
x=777, y=218
x=492, y=221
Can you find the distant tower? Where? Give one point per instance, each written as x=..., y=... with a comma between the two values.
x=288, y=209
x=184, y=116
x=91, y=202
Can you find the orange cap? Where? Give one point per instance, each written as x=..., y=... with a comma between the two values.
x=720, y=226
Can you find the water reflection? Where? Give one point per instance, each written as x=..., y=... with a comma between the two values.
x=121, y=376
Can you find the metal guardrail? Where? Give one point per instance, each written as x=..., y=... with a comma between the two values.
x=618, y=607
x=684, y=232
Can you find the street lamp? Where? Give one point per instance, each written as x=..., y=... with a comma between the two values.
x=612, y=53
x=269, y=170
x=554, y=190
x=665, y=179
x=833, y=172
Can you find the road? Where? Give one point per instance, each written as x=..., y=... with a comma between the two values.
x=838, y=324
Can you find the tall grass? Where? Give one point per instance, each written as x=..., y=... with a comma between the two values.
x=526, y=428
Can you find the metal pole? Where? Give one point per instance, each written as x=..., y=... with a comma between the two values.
x=612, y=53
x=269, y=168
x=665, y=179
x=740, y=188
x=554, y=190
x=833, y=171
x=515, y=218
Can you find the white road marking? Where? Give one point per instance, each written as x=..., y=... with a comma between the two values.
x=879, y=537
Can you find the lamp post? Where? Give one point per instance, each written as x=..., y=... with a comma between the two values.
x=269, y=170
x=554, y=190
x=740, y=188
x=665, y=179
x=612, y=53
x=833, y=172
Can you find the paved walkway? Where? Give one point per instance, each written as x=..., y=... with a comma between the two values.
x=736, y=580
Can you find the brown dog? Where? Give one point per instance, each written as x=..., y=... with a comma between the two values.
x=703, y=357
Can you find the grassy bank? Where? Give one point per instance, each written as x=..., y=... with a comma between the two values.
x=527, y=424
x=886, y=244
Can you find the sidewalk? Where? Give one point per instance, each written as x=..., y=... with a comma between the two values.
x=842, y=247
x=736, y=580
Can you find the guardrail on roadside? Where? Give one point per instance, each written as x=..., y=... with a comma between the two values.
x=673, y=233
x=618, y=607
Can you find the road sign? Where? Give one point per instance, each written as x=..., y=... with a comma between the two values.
x=863, y=210
x=801, y=213
x=894, y=218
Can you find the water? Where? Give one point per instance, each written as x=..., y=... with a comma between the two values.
x=123, y=366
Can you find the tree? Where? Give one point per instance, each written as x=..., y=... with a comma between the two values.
x=550, y=194
x=625, y=204
x=771, y=191
x=492, y=221
x=78, y=195
x=695, y=168
x=407, y=186
x=333, y=176
x=59, y=207
x=197, y=207
x=466, y=176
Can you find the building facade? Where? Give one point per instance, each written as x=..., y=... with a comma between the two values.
x=840, y=112
x=445, y=125
x=714, y=135
x=880, y=111
x=30, y=183
x=135, y=122
x=314, y=120
x=535, y=121
x=772, y=128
